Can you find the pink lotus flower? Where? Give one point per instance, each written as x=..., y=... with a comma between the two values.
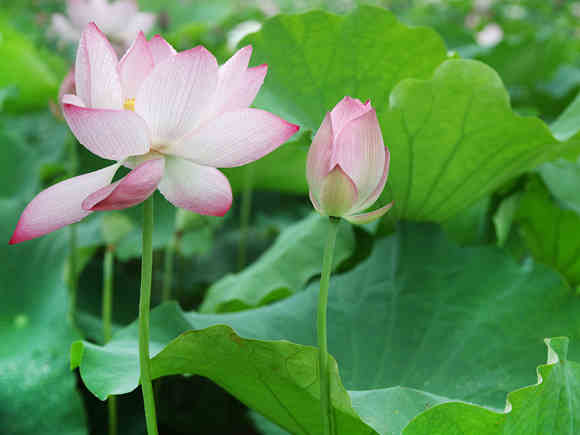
x=119, y=20
x=348, y=163
x=173, y=118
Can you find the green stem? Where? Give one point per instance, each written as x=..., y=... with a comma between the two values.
x=72, y=274
x=144, y=304
x=107, y=308
x=108, y=272
x=112, y=405
x=245, y=212
x=168, y=273
x=325, y=403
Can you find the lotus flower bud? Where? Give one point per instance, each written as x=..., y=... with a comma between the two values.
x=348, y=163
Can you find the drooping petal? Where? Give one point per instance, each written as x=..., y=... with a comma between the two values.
x=365, y=218
x=360, y=151
x=96, y=75
x=135, y=65
x=72, y=99
x=337, y=193
x=201, y=189
x=345, y=111
x=111, y=134
x=363, y=203
x=237, y=85
x=67, y=86
x=130, y=190
x=234, y=138
x=141, y=21
x=160, y=49
x=319, y=155
x=62, y=27
x=174, y=96
x=60, y=205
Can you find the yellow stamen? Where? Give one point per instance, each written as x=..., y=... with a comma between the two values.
x=129, y=104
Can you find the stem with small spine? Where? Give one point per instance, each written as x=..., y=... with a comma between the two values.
x=323, y=367
x=144, y=307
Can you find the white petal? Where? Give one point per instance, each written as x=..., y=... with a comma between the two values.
x=60, y=205
x=135, y=66
x=234, y=138
x=174, y=96
x=201, y=189
x=97, y=79
x=111, y=134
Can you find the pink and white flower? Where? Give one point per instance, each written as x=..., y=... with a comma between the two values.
x=120, y=20
x=348, y=163
x=173, y=118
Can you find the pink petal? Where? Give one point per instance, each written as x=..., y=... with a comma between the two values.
x=360, y=151
x=345, y=111
x=68, y=85
x=96, y=75
x=160, y=49
x=365, y=218
x=234, y=138
x=72, y=99
x=337, y=193
x=132, y=189
x=135, y=65
x=318, y=161
x=175, y=95
x=111, y=134
x=60, y=205
x=201, y=189
x=366, y=203
x=237, y=85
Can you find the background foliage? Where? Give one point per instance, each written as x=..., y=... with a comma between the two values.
x=437, y=314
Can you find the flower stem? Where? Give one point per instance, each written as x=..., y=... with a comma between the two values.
x=107, y=310
x=168, y=273
x=144, y=304
x=245, y=212
x=325, y=403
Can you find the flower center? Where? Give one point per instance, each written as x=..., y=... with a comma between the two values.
x=129, y=104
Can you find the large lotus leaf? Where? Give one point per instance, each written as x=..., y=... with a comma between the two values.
x=568, y=123
x=550, y=231
x=454, y=138
x=285, y=268
x=37, y=390
x=420, y=312
x=552, y=406
x=448, y=123
x=562, y=177
x=315, y=59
